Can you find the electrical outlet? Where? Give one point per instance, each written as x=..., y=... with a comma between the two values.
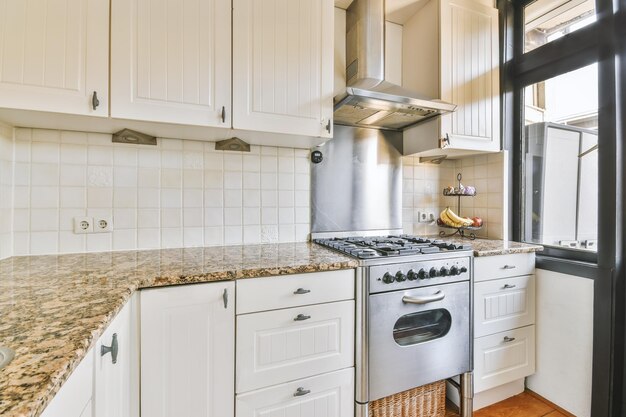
x=83, y=225
x=426, y=216
x=103, y=225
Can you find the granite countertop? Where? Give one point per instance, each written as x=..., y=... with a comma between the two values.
x=492, y=247
x=54, y=308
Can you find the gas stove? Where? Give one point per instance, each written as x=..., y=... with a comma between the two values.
x=391, y=246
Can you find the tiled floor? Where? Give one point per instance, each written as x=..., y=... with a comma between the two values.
x=522, y=405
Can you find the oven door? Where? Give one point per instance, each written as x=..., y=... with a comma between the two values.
x=417, y=337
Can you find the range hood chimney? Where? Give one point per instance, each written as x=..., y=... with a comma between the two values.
x=369, y=100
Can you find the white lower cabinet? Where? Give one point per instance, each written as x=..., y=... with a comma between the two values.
x=117, y=366
x=75, y=398
x=106, y=382
x=327, y=395
x=283, y=345
x=503, y=304
x=503, y=357
x=187, y=351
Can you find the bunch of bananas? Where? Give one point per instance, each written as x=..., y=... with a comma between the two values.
x=450, y=218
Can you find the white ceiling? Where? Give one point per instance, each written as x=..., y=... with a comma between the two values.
x=398, y=11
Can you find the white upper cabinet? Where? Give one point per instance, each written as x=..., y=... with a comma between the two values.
x=188, y=350
x=283, y=66
x=54, y=55
x=460, y=39
x=171, y=61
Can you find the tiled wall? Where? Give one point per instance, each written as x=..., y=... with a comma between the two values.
x=6, y=194
x=423, y=190
x=180, y=193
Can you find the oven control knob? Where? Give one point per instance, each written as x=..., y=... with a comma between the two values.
x=454, y=271
x=444, y=272
x=433, y=273
x=400, y=277
x=463, y=269
x=421, y=274
x=388, y=278
x=412, y=275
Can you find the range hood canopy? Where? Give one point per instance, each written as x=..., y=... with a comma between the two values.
x=369, y=100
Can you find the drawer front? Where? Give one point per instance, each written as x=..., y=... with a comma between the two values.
x=503, y=304
x=275, y=346
x=503, y=266
x=330, y=395
x=498, y=361
x=261, y=294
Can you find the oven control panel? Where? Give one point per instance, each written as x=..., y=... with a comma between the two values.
x=400, y=276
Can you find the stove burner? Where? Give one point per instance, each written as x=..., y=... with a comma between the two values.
x=389, y=246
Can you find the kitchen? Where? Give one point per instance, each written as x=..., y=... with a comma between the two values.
x=280, y=207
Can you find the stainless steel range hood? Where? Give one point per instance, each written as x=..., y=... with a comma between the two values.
x=369, y=100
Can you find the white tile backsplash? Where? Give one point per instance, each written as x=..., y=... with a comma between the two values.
x=423, y=191
x=6, y=191
x=180, y=193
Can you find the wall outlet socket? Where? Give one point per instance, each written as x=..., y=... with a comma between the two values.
x=102, y=224
x=426, y=216
x=83, y=225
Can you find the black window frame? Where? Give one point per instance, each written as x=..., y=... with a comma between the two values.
x=603, y=42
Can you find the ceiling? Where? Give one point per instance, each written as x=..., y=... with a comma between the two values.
x=398, y=11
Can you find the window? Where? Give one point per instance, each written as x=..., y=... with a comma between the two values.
x=547, y=20
x=561, y=160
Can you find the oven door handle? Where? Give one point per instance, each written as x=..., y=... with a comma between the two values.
x=438, y=296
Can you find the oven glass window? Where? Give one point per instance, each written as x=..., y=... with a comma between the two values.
x=422, y=326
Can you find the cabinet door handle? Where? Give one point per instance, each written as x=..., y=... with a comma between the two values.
x=328, y=126
x=444, y=142
x=225, y=297
x=94, y=100
x=223, y=114
x=301, y=391
x=301, y=291
x=508, y=286
x=113, y=349
x=301, y=317
x=508, y=339
x=509, y=267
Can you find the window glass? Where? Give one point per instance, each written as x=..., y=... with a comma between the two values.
x=547, y=20
x=561, y=160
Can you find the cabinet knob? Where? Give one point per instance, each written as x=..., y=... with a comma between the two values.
x=94, y=100
x=113, y=349
x=301, y=391
x=301, y=317
x=301, y=291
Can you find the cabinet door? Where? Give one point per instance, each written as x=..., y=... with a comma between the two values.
x=503, y=357
x=75, y=398
x=117, y=365
x=283, y=345
x=170, y=61
x=283, y=66
x=187, y=351
x=470, y=74
x=328, y=395
x=503, y=304
x=54, y=54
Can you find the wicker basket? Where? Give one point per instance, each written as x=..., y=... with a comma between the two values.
x=425, y=401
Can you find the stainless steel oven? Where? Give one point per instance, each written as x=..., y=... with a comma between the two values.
x=418, y=336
